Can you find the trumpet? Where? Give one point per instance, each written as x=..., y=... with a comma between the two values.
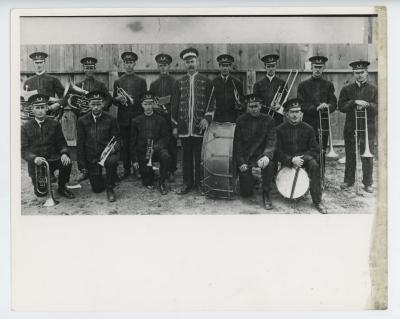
x=159, y=104
x=128, y=99
x=149, y=151
x=43, y=183
x=72, y=88
x=280, y=97
x=107, y=151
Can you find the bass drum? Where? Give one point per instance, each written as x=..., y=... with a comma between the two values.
x=218, y=171
x=292, y=183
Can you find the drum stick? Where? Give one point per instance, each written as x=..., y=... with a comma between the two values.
x=296, y=175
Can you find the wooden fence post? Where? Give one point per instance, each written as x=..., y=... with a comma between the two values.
x=251, y=79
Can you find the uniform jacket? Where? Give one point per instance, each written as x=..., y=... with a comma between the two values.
x=186, y=116
x=347, y=97
x=296, y=140
x=45, y=84
x=91, y=84
x=145, y=127
x=135, y=86
x=48, y=141
x=93, y=137
x=313, y=92
x=267, y=89
x=254, y=138
x=225, y=99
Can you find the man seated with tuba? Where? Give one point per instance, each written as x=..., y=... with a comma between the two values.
x=298, y=147
x=253, y=146
x=42, y=140
x=98, y=145
x=149, y=142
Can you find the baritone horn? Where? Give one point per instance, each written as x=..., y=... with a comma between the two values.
x=280, y=97
x=107, y=151
x=43, y=183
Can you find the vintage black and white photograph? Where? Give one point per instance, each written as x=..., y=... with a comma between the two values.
x=208, y=115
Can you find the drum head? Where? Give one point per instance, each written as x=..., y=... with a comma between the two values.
x=285, y=179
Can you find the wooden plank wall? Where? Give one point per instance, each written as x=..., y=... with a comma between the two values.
x=64, y=60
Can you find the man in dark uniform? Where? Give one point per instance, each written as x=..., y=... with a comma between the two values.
x=227, y=92
x=191, y=117
x=317, y=95
x=95, y=130
x=254, y=144
x=149, y=142
x=162, y=88
x=269, y=86
x=42, y=140
x=359, y=95
x=44, y=83
x=128, y=105
x=297, y=147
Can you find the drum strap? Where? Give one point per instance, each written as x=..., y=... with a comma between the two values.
x=296, y=175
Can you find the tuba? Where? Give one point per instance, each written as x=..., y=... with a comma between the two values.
x=43, y=183
x=107, y=151
x=149, y=151
x=76, y=99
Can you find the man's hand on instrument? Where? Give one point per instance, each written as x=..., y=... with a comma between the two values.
x=54, y=106
x=243, y=168
x=322, y=106
x=175, y=132
x=136, y=165
x=121, y=99
x=65, y=160
x=275, y=106
x=361, y=104
x=263, y=162
x=203, y=124
x=298, y=161
x=39, y=160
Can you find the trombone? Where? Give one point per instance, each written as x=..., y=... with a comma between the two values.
x=279, y=94
x=362, y=116
x=43, y=183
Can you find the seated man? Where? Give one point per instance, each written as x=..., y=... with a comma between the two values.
x=149, y=142
x=298, y=147
x=95, y=130
x=42, y=140
x=253, y=146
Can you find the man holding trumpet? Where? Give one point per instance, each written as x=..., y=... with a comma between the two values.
x=359, y=95
x=98, y=134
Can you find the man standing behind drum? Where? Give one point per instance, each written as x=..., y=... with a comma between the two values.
x=227, y=92
x=253, y=146
x=297, y=147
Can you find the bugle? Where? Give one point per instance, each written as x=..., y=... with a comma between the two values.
x=43, y=183
x=128, y=99
x=107, y=151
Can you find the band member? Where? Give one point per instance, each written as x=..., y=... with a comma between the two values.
x=95, y=130
x=44, y=83
x=163, y=89
x=317, y=94
x=190, y=117
x=42, y=140
x=227, y=92
x=359, y=95
x=128, y=102
x=149, y=143
x=297, y=147
x=254, y=144
x=269, y=86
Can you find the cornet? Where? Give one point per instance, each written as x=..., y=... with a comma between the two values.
x=128, y=99
x=107, y=151
x=43, y=183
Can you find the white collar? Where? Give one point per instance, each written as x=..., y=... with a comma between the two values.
x=194, y=74
x=39, y=122
x=360, y=83
x=270, y=77
x=96, y=117
x=40, y=73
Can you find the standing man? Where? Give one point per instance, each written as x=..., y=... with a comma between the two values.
x=95, y=130
x=298, y=147
x=254, y=144
x=149, y=143
x=268, y=86
x=191, y=117
x=317, y=95
x=42, y=140
x=162, y=88
x=359, y=95
x=227, y=92
x=128, y=89
x=44, y=83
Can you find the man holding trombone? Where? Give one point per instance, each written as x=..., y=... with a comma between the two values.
x=359, y=101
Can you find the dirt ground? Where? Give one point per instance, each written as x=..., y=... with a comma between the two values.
x=134, y=199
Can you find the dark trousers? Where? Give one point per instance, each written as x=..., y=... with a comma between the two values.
x=125, y=132
x=314, y=173
x=96, y=174
x=247, y=181
x=173, y=152
x=191, y=147
x=63, y=176
x=366, y=163
x=147, y=172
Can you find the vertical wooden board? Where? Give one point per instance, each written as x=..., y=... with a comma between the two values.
x=283, y=56
x=54, y=64
x=250, y=80
x=25, y=61
x=102, y=57
x=372, y=56
x=68, y=57
x=76, y=48
x=304, y=52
